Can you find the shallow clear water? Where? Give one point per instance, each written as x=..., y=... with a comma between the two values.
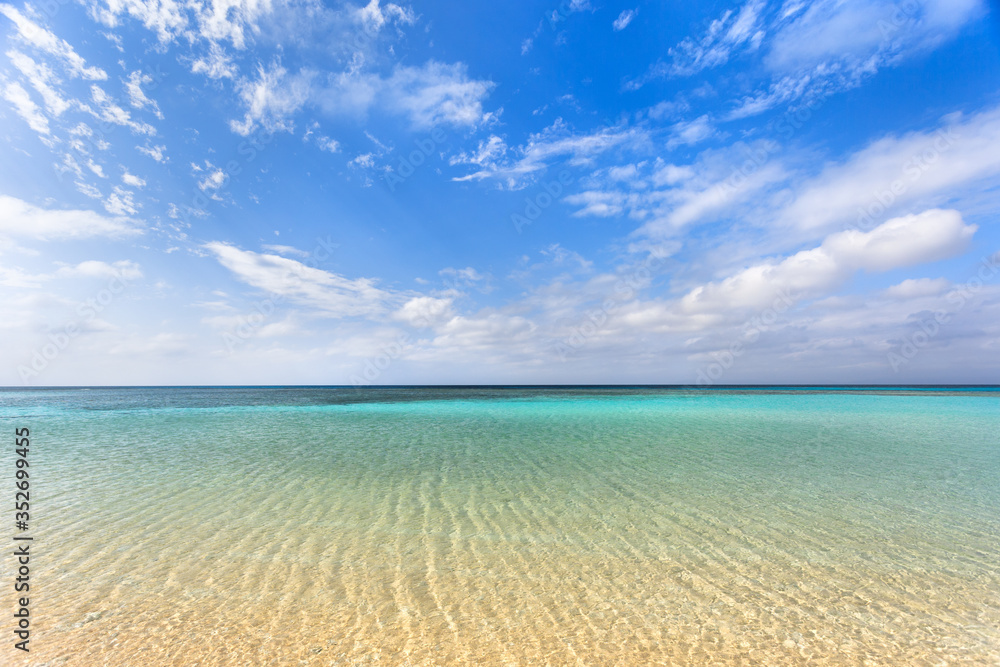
x=512, y=526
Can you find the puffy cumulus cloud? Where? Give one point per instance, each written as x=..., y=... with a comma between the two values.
x=328, y=293
x=46, y=42
x=21, y=219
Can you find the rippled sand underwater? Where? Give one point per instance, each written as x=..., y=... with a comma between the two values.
x=640, y=528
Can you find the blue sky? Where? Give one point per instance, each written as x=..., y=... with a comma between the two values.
x=254, y=191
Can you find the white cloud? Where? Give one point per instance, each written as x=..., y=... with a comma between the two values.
x=120, y=202
x=437, y=94
x=913, y=288
x=905, y=241
x=96, y=168
x=599, y=203
x=132, y=180
x=865, y=32
x=489, y=152
x=285, y=250
x=158, y=153
x=126, y=269
x=25, y=108
x=690, y=132
x=429, y=95
x=726, y=35
x=897, y=171
x=112, y=112
x=45, y=41
x=830, y=45
x=328, y=144
x=42, y=79
x=624, y=19
x=326, y=292
x=667, y=197
x=373, y=17
x=88, y=190
x=364, y=161
x=137, y=98
x=542, y=149
x=216, y=64
x=424, y=311
x=19, y=218
x=486, y=332
x=272, y=99
x=215, y=179
x=460, y=279
x=212, y=21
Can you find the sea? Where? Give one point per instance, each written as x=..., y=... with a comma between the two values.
x=506, y=525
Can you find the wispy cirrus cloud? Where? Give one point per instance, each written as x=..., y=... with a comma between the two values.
x=554, y=144
x=44, y=40
x=731, y=32
x=328, y=293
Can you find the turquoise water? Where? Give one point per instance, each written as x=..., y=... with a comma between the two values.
x=514, y=526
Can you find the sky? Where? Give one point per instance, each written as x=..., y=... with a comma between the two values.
x=306, y=192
